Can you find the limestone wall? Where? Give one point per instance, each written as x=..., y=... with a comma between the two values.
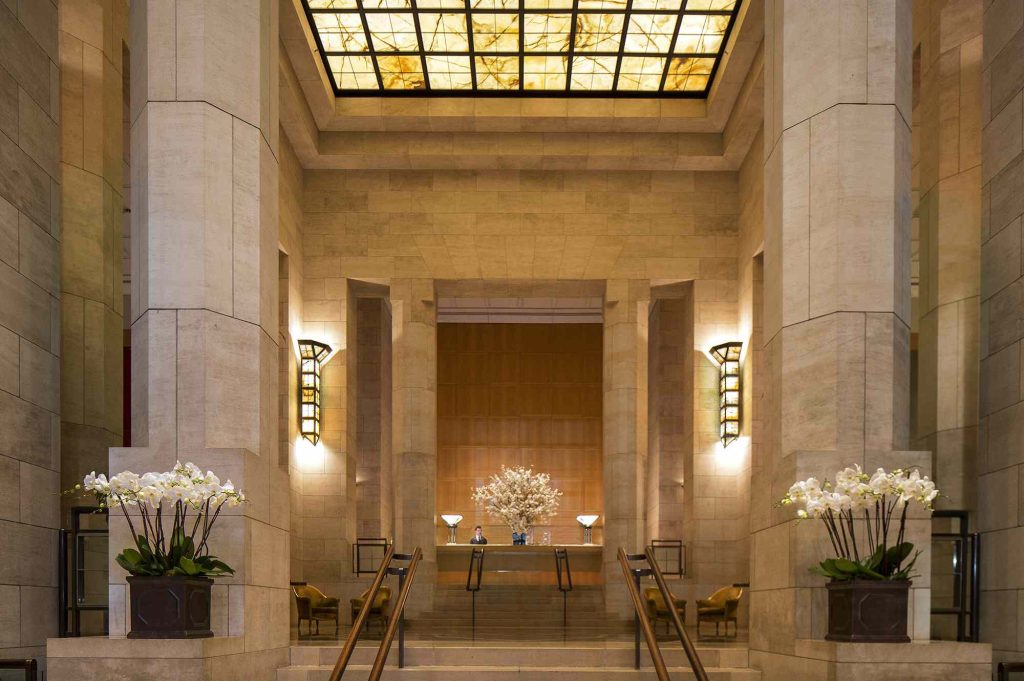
x=30, y=342
x=93, y=168
x=1001, y=441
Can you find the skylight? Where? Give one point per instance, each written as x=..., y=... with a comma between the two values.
x=607, y=48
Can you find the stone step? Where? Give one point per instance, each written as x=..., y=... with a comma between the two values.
x=491, y=673
x=419, y=654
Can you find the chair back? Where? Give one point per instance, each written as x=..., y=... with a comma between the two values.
x=724, y=595
x=655, y=601
x=308, y=591
x=382, y=599
x=305, y=596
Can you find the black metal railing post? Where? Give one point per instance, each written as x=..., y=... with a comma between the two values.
x=637, y=574
x=564, y=575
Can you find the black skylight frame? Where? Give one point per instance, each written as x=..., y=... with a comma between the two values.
x=474, y=91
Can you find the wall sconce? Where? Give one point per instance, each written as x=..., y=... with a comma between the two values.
x=728, y=357
x=587, y=521
x=311, y=355
x=452, y=520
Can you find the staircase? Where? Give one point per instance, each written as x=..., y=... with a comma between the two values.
x=444, y=661
x=517, y=613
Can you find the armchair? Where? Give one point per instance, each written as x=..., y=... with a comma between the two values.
x=720, y=607
x=313, y=605
x=656, y=609
x=379, y=607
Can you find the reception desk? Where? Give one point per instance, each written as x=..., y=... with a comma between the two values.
x=508, y=564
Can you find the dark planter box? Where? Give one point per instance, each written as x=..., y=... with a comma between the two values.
x=170, y=607
x=866, y=611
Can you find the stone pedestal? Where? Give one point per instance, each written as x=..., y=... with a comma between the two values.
x=814, y=660
x=223, y=658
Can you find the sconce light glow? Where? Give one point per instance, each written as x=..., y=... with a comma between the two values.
x=311, y=356
x=452, y=520
x=587, y=520
x=728, y=357
x=308, y=456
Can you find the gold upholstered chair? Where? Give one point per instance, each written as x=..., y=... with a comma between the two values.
x=314, y=605
x=379, y=608
x=720, y=607
x=656, y=609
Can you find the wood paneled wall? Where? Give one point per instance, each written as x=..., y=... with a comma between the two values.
x=519, y=394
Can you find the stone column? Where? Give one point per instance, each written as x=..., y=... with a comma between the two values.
x=204, y=314
x=92, y=163
x=414, y=427
x=1001, y=444
x=29, y=326
x=626, y=310
x=949, y=222
x=837, y=296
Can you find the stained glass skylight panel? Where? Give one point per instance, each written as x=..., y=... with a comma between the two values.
x=617, y=48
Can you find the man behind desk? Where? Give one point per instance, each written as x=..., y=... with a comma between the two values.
x=478, y=536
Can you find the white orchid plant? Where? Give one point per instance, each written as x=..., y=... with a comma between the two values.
x=518, y=497
x=858, y=511
x=196, y=500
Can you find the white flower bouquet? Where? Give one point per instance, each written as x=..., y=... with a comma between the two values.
x=518, y=497
x=196, y=501
x=858, y=511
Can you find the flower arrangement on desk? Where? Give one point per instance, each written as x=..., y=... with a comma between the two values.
x=519, y=498
x=866, y=520
x=195, y=499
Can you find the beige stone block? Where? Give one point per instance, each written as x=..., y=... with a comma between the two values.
x=10, y=490
x=22, y=181
x=39, y=256
x=1005, y=200
x=220, y=55
x=37, y=134
x=82, y=233
x=1000, y=492
x=9, y=361
x=1001, y=376
x=9, y=217
x=23, y=57
x=1001, y=256
x=42, y=603
x=36, y=548
x=853, y=268
x=1002, y=138
x=1003, y=327
x=8, y=104
x=786, y=218
x=39, y=376
x=10, y=616
x=1005, y=433
x=188, y=174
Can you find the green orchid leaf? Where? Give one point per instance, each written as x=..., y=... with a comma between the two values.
x=188, y=567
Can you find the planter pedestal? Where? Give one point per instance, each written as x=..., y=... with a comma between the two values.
x=170, y=607
x=865, y=611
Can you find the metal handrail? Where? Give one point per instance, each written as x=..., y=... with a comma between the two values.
x=641, y=613
x=691, y=653
x=357, y=625
x=30, y=667
x=396, y=617
x=1005, y=668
